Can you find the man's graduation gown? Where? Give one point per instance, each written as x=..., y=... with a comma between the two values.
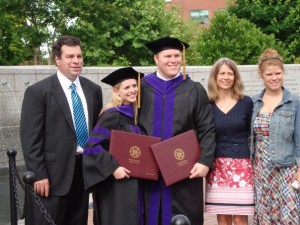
x=169, y=108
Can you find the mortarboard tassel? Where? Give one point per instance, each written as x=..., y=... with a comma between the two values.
x=138, y=99
x=139, y=90
x=183, y=61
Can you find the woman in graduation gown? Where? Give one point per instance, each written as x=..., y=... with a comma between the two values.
x=116, y=194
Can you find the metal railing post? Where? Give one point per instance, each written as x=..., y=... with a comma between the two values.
x=180, y=219
x=13, y=207
x=29, y=178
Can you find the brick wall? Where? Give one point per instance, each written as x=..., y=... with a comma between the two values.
x=188, y=5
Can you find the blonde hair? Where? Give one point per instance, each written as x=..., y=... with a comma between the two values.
x=269, y=57
x=116, y=101
x=238, y=86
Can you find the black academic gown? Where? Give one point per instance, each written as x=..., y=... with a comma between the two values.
x=116, y=202
x=170, y=108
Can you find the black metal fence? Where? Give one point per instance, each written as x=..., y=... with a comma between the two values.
x=26, y=212
x=16, y=212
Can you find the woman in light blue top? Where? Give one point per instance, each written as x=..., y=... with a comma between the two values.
x=275, y=145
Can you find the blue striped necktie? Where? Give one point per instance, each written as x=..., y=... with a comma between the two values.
x=79, y=118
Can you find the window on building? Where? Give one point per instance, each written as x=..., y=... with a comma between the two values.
x=200, y=15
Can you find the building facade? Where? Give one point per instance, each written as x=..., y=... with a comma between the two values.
x=199, y=10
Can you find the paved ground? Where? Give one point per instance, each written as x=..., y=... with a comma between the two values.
x=209, y=219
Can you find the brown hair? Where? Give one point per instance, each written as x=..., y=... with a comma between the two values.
x=269, y=57
x=238, y=86
x=64, y=40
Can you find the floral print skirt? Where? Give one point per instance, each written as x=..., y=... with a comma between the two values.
x=229, y=187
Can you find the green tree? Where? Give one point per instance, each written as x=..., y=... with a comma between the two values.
x=25, y=28
x=114, y=32
x=238, y=39
x=187, y=31
x=278, y=17
x=11, y=51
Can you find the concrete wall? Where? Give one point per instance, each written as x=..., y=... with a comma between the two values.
x=14, y=80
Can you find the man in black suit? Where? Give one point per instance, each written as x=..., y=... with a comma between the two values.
x=48, y=135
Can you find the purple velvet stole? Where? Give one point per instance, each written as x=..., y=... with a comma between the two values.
x=129, y=111
x=101, y=133
x=141, y=210
x=126, y=110
x=164, y=96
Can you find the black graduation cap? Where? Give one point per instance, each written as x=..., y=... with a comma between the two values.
x=166, y=43
x=169, y=43
x=120, y=75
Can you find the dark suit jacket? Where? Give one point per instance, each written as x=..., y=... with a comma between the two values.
x=48, y=135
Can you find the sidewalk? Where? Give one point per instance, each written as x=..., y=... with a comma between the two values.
x=209, y=219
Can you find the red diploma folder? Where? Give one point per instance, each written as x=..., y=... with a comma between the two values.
x=176, y=156
x=133, y=152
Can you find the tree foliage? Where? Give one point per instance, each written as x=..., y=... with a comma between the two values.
x=9, y=41
x=26, y=27
x=115, y=32
x=112, y=32
x=278, y=17
x=238, y=39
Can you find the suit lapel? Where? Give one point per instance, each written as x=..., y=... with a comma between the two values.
x=88, y=93
x=62, y=101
